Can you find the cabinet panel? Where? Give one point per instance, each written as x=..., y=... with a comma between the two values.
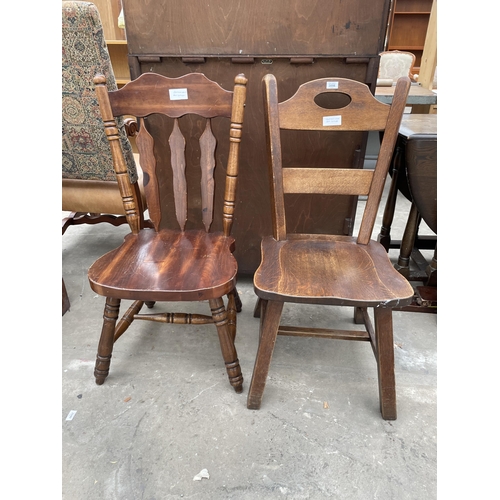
x=259, y=27
x=297, y=41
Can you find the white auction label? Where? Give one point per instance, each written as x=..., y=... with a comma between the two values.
x=332, y=85
x=329, y=121
x=71, y=415
x=178, y=94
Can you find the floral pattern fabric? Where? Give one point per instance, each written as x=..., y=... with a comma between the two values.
x=86, y=153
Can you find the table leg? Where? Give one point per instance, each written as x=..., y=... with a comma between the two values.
x=384, y=236
x=408, y=241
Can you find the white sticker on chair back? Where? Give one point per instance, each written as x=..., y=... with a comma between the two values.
x=332, y=85
x=329, y=121
x=178, y=94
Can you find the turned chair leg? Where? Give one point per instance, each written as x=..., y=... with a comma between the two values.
x=385, y=362
x=106, y=341
x=237, y=300
x=231, y=314
x=219, y=314
x=408, y=242
x=270, y=322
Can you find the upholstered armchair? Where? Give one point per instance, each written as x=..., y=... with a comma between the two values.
x=90, y=192
x=393, y=65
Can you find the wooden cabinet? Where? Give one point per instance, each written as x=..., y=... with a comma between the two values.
x=408, y=27
x=297, y=41
x=115, y=37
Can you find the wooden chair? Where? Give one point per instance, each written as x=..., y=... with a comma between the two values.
x=328, y=269
x=90, y=192
x=167, y=263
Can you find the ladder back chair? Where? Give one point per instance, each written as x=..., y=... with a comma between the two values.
x=175, y=263
x=326, y=269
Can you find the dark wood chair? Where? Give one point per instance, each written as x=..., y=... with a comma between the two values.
x=183, y=260
x=336, y=270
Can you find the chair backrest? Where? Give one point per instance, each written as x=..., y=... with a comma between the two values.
x=356, y=110
x=151, y=95
x=394, y=64
x=85, y=151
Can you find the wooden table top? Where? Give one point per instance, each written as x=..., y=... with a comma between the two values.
x=412, y=124
x=417, y=95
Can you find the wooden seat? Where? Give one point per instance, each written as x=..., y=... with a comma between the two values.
x=338, y=270
x=182, y=257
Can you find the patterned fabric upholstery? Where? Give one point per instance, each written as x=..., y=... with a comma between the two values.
x=85, y=149
x=395, y=64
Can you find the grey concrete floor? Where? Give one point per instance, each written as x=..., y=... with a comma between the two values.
x=167, y=411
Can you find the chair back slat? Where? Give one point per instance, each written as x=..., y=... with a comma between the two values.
x=153, y=99
x=178, y=162
x=207, y=164
x=144, y=143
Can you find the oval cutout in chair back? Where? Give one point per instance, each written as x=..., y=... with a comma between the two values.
x=332, y=100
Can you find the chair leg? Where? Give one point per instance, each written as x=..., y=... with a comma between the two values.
x=106, y=341
x=237, y=300
x=231, y=313
x=229, y=354
x=270, y=321
x=385, y=362
x=65, y=299
x=256, y=310
x=358, y=316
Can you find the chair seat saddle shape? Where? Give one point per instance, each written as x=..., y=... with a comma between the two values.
x=167, y=266
x=170, y=262
x=329, y=269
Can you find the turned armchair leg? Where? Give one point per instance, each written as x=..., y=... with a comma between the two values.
x=106, y=341
x=229, y=354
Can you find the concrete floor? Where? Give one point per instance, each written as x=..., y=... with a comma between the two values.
x=167, y=411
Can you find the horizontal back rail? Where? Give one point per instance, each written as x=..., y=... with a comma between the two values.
x=301, y=112
x=327, y=181
x=174, y=97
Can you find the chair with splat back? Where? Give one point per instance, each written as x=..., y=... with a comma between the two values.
x=171, y=261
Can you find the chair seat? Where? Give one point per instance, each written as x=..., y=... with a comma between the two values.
x=167, y=266
x=329, y=269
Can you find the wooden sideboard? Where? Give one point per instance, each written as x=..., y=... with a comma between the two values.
x=296, y=40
